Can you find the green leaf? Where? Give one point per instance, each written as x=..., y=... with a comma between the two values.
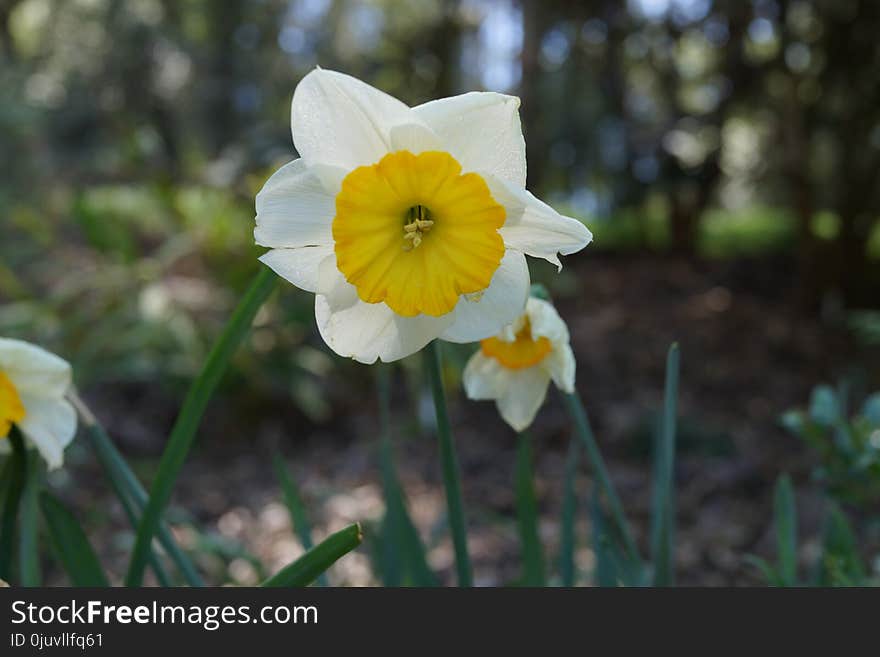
x=308, y=567
x=607, y=571
x=871, y=409
x=14, y=487
x=786, y=531
x=824, y=408
x=298, y=516
x=567, y=537
x=794, y=421
x=663, y=512
x=768, y=571
x=582, y=428
x=184, y=432
x=71, y=545
x=29, y=525
x=527, y=515
x=841, y=564
x=132, y=495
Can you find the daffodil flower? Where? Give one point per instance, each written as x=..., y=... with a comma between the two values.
x=515, y=367
x=409, y=224
x=33, y=385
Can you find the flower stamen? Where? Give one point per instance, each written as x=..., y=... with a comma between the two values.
x=417, y=226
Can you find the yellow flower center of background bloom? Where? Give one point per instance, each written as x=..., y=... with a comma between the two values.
x=523, y=352
x=11, y=408
x=416, y=233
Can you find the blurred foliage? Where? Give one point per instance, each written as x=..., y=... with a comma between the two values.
x=839, y=562
x=848, y=447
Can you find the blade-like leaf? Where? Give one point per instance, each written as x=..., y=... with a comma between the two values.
x=769, y=573
x=308, y=567
x=567, y=537
x=71, y=545
x=131, y=493
x=607, y=569
x=663, y=513
x=184, y=432
x=582, y=428
x=786, y=531
x=841, y=563
x=298, y=516
x=527, y=515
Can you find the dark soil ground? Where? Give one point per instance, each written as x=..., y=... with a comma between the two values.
x=748, y=354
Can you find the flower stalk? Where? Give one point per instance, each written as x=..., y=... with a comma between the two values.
x=527, y=514
x=15, y=483
x=449, y=462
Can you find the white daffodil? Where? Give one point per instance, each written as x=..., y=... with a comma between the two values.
x=33, y=384
x=408, y=223
x=515, y=367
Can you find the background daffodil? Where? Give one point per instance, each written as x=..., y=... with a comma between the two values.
x=33, y=385
x=409, y=224
x=515, y=367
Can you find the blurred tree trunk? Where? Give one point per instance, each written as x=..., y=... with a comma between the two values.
x=535, y=20
x=444, y=42
x=223, y=21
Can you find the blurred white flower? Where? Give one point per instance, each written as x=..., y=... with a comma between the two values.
x=33, y=385
x=408, y=223
x=515, y=367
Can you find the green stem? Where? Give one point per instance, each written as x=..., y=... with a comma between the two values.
x=184, y=432
x=582, y=426
x=527, y=514
x=29, y=525
x=391, y=559
x=10, y=504
x=403, y=551
x=450, y=466
x=569, y=513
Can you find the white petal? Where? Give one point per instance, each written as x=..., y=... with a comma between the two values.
x=341, y=121
x=367, y=331
x=501, y=303
x=299, y=266
x=293, y=209
x=545, y=321
x=534, y=227
x=34, y=370
x=414, y=138
x=482, y=131
x=561, y=365
x=523, y=396
x=49, y=424
x=484, y=378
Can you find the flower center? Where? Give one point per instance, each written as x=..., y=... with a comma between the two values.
x=11, y=408
x=523, y=352
x=418, y=225
x=413, y=232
